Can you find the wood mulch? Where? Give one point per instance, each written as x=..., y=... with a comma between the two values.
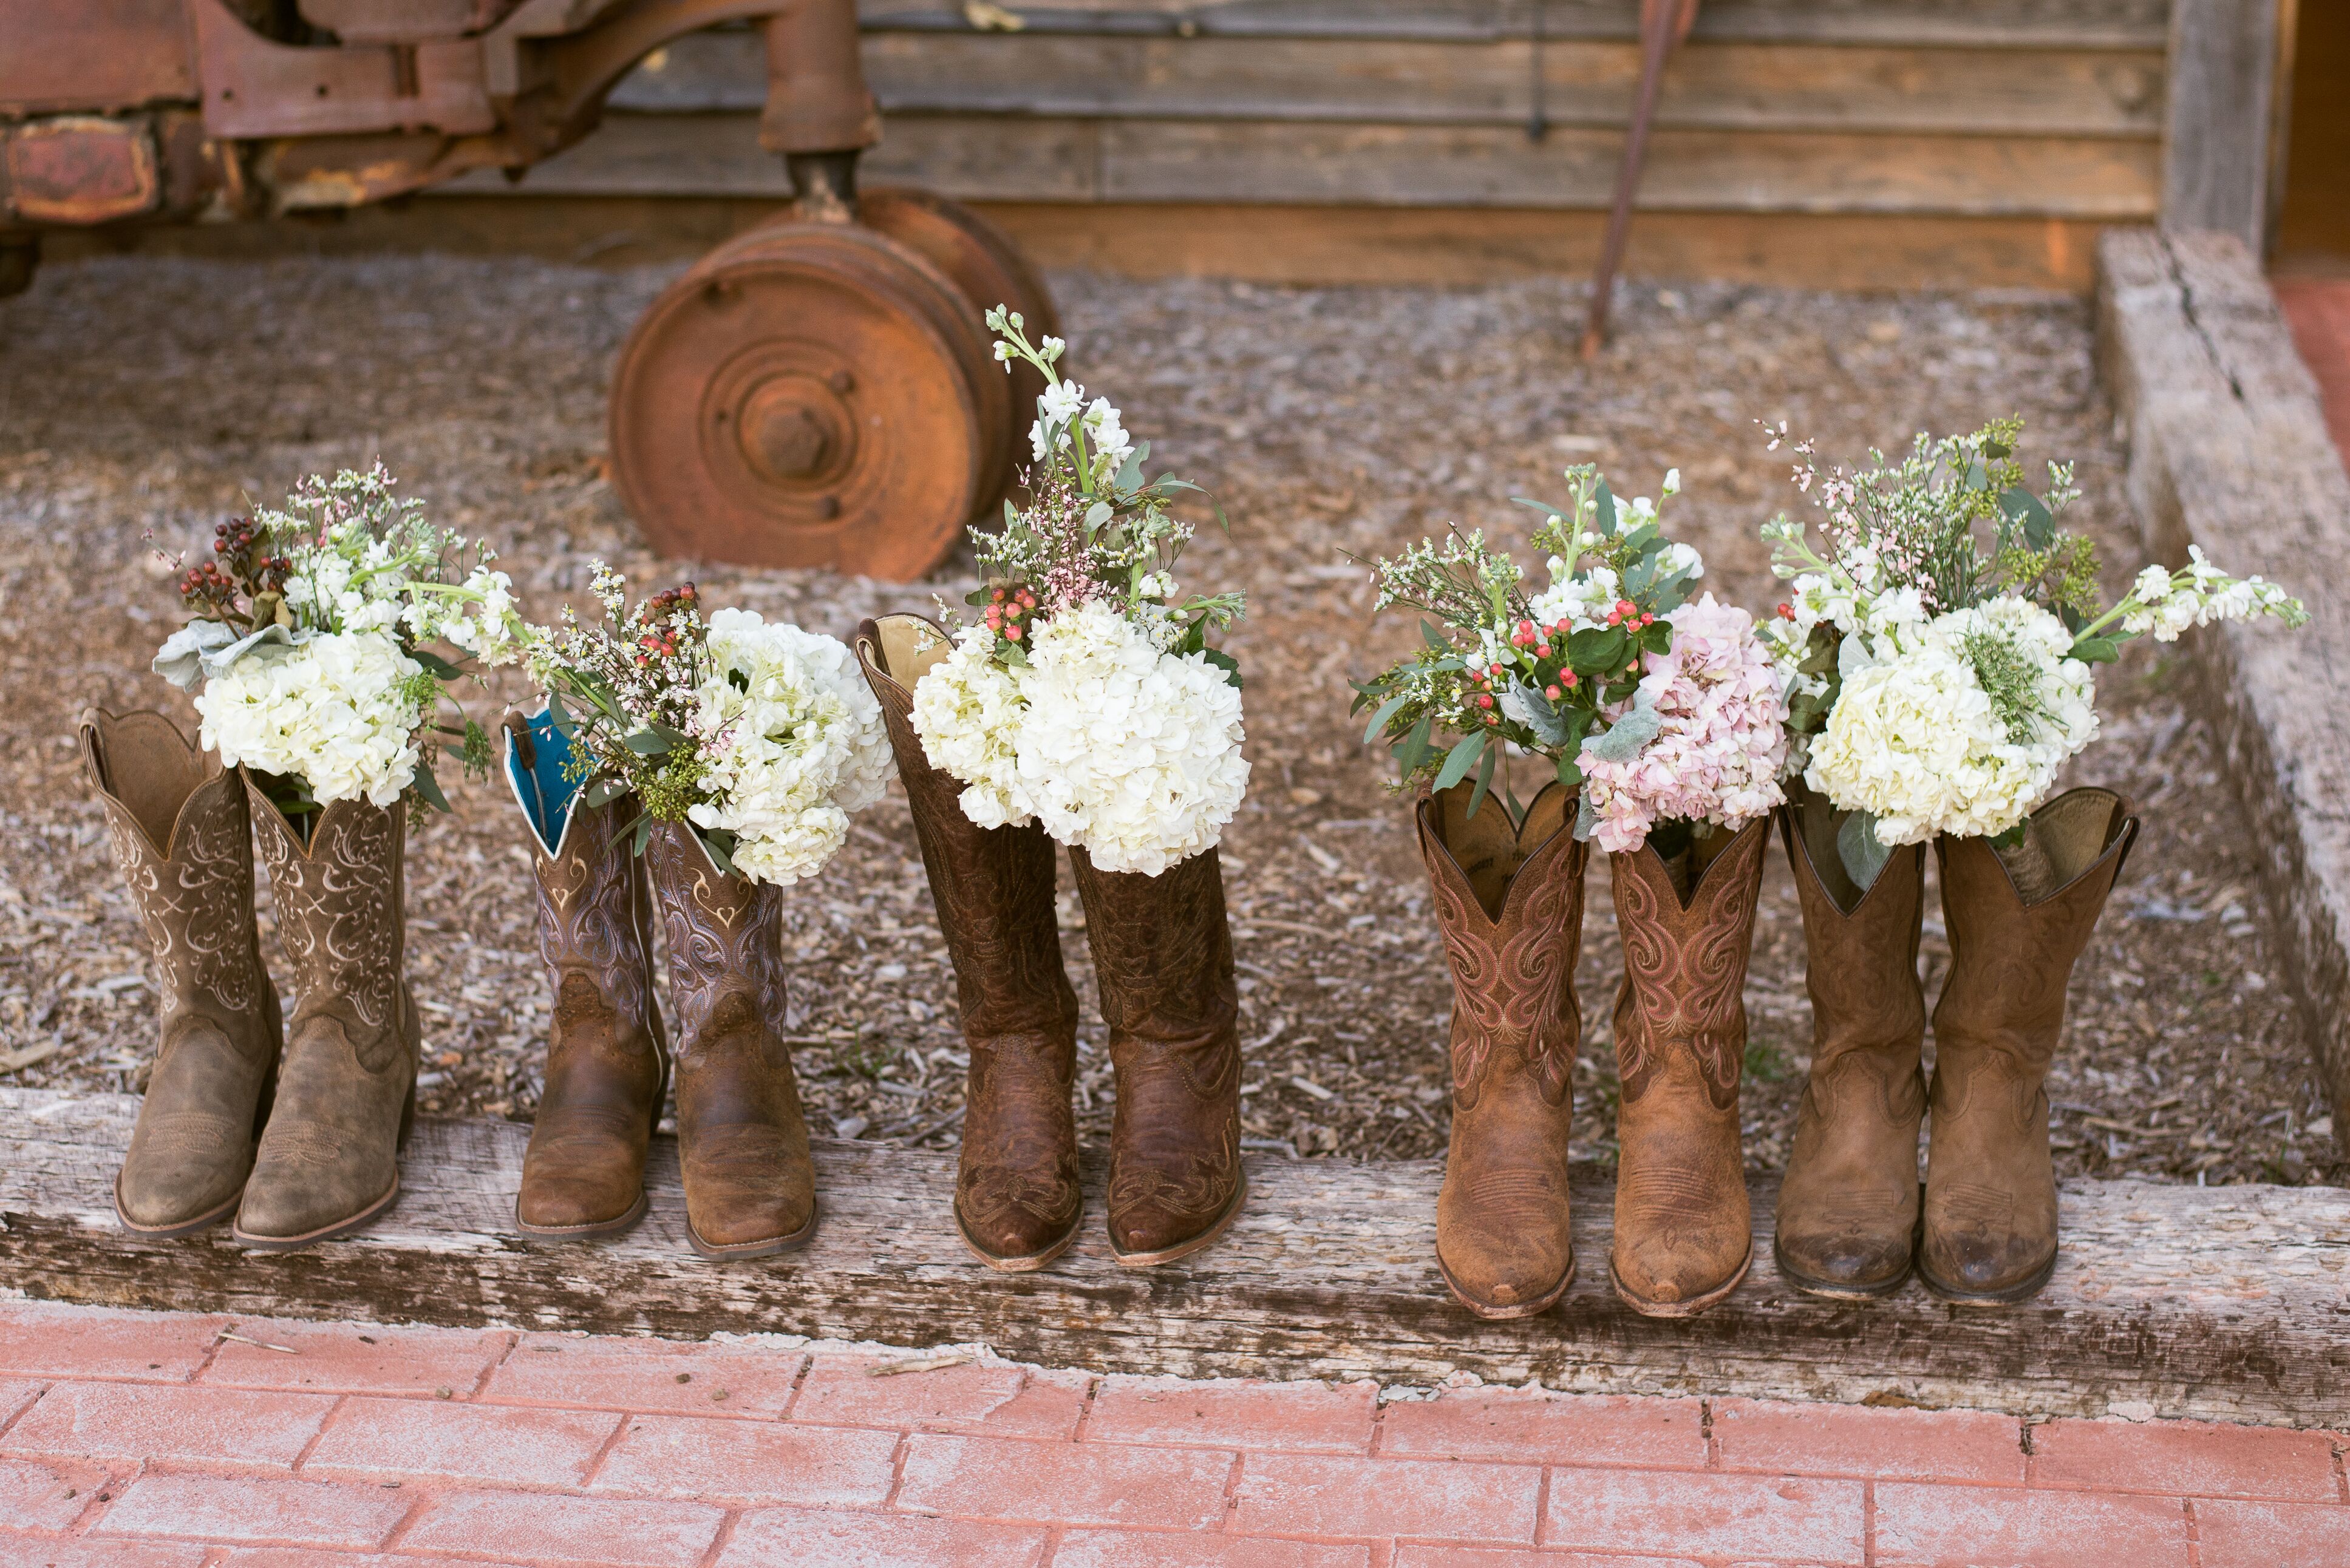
x=149, y=396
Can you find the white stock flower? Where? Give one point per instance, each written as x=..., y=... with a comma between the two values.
x=967, y=715
x=333, y=713
x=794, y=743
x=1129, y=753
x=1582, y=602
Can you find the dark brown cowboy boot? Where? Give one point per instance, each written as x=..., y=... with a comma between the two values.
x=1163, y=955
x=1016, y=1197
x=750, y=1186
x=1991, y=1182
x=1684, y=1234
x=607, y=1065
x=184, y=842
x=1510, y=901
x=1848, y=1219
x=329, y=1159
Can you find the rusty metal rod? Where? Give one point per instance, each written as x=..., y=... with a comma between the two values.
x=1661, y=23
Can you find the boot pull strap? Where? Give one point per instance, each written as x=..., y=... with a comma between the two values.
x=518, y=736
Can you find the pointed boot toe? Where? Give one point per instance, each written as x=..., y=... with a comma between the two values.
x=1845, y=1264
x=1177, y=1219
x=746, y=1195
x=1498, y=1280
x=1014, y=1222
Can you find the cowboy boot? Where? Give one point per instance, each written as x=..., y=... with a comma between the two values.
x=1016, y=1199
x=607, y=1063
x=1510, y=901
x=329, y=1159
x=1847, y=1219
x=1164, y=957
x=1684, y=1234
x=182, y=841
x=1991, y=1182
x=750, y=1186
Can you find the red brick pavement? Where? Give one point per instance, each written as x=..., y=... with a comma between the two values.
x=149, y=1441
x=2319, y=310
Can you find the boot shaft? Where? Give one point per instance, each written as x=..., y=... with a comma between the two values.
x=725, y=935
x=339, y=901
x=993, y=887
x=1860, y=946
x=2011, y=954
x=1509, y=899
x=595, y=903
x=182, y=841
x=1162, y=952
x=1682, y=1003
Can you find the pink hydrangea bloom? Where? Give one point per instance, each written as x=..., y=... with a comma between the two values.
x=1722, y=742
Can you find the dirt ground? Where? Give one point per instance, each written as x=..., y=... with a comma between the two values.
x=142, y=396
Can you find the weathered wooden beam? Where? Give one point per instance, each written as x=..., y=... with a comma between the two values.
x=2220, y=148
x=1988, y=24
x=1045, y=159
x=1718, y=86
x=2229, y=450
x=2227, y=1303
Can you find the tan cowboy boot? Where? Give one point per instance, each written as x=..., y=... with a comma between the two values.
x=1016, y=1197
x=1847, y=1219
x=1510, y=900
x=2019, y=920
x=329, y=1159
x=1684, y=1234
x=184, y=842
x=750, y=1186
x=607, y=1063
x=1163, y=956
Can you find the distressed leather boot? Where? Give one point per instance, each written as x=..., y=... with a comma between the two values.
x=2018, y=919
x=1163, y=954
x=607, y=1063
x=184, y=844
x=329, y=1159
x=750, y=1186
x=1847, y=1222
x=1510, y=902
x=1016, y=1197
x=1684, y=1234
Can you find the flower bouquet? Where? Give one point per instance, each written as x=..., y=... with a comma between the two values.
x=307, y=653
x=1663, y=723
x=1941, y=652
x=1083, y=706
x=702, y=765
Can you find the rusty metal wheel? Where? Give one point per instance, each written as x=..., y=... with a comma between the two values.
x=991, y=271
x=808, y=395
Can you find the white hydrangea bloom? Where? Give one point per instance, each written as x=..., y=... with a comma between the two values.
x=1916, y=742
x=1130, y=754
x=335, y=712
x=967, y=711
x=796, y=743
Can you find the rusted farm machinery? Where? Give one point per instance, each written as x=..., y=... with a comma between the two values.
x=819, y=391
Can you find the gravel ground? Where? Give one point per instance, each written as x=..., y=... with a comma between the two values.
x=142, y=396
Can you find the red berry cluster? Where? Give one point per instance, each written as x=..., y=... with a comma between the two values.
x=1008, y=610
x=659, y=640
x=1545, y=643
x=241, y=568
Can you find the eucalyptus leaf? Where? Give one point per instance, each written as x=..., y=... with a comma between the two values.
x=2094, y=649
x=1607, y=511
x=1856, y=846
x=603, y=792
x=427, y=789
x=1379, y=720
x=2039, y=522
x=559, y=716
x=1484, y=779
x=1415, y=744
x=1458, y=760
x=436, y=666
x=1625, y=738
x=1526, y=705
x=646, y=743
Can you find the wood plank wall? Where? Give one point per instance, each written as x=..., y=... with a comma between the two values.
x=1952, y=122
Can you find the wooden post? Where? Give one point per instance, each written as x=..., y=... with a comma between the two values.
x=2221, y=146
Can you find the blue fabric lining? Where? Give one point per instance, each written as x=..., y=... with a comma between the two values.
x=545, y=794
